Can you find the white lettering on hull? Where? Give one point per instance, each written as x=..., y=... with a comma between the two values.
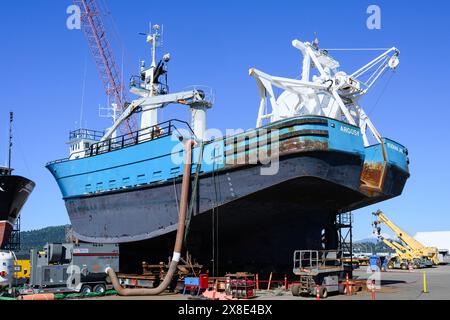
x=347, y=130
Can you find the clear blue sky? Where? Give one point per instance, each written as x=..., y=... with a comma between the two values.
x=215, y=43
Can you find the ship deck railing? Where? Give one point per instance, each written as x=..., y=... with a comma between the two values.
x=160, y=130
x=86, y=134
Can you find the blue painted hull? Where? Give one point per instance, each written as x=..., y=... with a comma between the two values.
x=129, y=196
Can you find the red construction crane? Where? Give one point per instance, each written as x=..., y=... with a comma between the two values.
x=95, y=31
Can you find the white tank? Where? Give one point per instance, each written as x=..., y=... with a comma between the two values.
x=6, y=268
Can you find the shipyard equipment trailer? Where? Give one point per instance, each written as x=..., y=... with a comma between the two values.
x=64, y=268
x=320, y=272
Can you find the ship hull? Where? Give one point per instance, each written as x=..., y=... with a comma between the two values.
x=5, y=232
x=320, y=167
x=148, y=212
x=14, y=192
x=260, y=220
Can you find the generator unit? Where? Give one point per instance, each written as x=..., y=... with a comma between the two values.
x=7, y=259
x=72, y=268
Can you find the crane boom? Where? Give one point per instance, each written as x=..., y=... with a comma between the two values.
x=102, y=53
x=415, y=246
x=410, y=241
x=400, y=253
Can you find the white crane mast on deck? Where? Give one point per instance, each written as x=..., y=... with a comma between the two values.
x=331, y=93
x=154, y=95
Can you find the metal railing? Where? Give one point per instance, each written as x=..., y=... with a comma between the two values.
x=160, y=130
x=316, y=259
x=137, y=82
x=86, y=134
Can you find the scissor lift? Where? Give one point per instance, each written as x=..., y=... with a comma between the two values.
x=321, y=271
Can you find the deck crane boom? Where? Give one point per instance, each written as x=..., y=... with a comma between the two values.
x=154, y=95
x=432, y=253
x=329, y=92
x=332, y=92
x=102, y=53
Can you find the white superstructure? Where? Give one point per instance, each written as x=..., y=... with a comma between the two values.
x=330, y=92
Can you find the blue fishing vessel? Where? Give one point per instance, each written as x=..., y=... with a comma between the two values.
x=256, y=196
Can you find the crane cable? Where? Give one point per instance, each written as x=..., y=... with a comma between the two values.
x=381, y=94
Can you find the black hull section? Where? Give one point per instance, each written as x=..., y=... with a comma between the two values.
x=260, y=219
x=14, y=192
x=151, y=211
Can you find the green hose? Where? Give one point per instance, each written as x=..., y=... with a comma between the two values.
x=85, y=295
x=7, y=299
x=111, y=293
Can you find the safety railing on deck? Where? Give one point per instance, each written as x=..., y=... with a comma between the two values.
x=86, y=134
x=143, y=135
x=160, y=130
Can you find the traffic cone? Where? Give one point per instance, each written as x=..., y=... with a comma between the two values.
x=317, y=292
x=285, y=282
x=215, y=291
x=347, y=285
x=257, y=281
x=373, y=289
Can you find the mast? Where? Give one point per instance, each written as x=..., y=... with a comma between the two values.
x=11, y=118
x=101, y=50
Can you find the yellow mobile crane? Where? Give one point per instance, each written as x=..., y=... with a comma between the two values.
x=401, y=260
x=412, y=245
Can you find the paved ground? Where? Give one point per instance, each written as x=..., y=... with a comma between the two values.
x=395, y=285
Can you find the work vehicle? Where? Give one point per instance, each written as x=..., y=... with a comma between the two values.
x=8, y=270
x=72, y=268
x=416, y=249
x=404, y=257
x=7, y=259
x=320, y=272
x=22, y=268
x=398, y=263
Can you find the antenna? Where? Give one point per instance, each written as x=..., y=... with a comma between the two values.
x=11, y=119
x=110, y=111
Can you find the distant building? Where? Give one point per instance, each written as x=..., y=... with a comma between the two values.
x=439, y=239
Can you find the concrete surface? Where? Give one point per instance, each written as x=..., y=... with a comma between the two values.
x=395, y=285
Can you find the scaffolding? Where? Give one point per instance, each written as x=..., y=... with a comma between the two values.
x=13, y=243
x=344, y=226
